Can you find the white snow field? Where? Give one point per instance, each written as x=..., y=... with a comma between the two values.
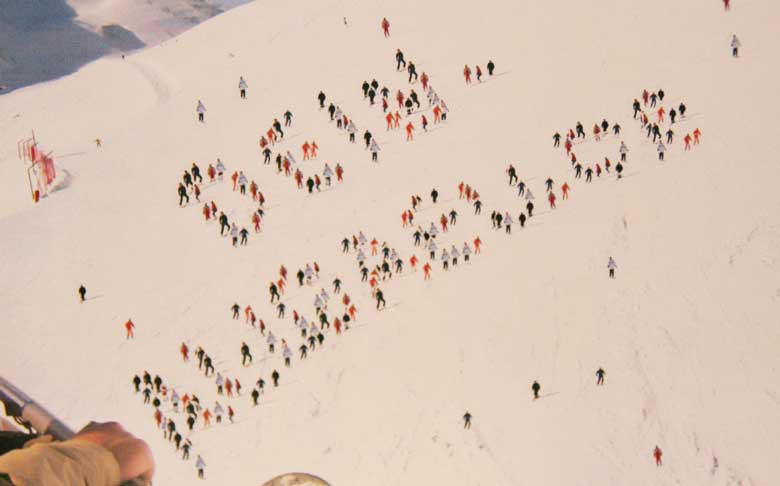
x=687, y=332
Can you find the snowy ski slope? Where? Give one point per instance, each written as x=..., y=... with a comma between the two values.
x=687, y=332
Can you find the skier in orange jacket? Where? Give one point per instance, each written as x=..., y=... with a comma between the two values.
x=234, y=178
x=305, y=147
x=424, y=81
x=696, y=135
x=467, y=74
x=129, y=326
x=353, y=312
x=427, y=271
x=436, y=114
x=413, y=262
x=565, y=189
x=389, y=119
x=314, y=148
x=477, y=245
x=460, y=190
x=409, y=132
x=397, y=120
x=207, y=417
x=657, y=453
x=405, y=219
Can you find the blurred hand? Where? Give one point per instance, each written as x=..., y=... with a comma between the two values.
x=132, y=454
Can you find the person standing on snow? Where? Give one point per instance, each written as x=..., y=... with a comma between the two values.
x=242, y=87
x=599, y=377
x=467, y=420
x=536, y=387
x=200, y=465
x=82, y=293
x=735, y=45
x=183, y=195
x=657, y=454
x=374, y=148
x=611, y=266
x=201, y=110
x=623, y=151
x=661, y=150
x=386, y=27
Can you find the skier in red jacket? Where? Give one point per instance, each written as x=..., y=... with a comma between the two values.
x=551, y=198
x=657, y=453
x=305, y=147
x=424, y=81
x=389, y=119
x=129, y=326
x=460, y=190
x=184, y=351
x=409, y=132
x=386, y=27
x=467, y=74
x=565, y=189
x=206, y=212
x=339, y=173
x=256, y=221
x=696, y=135
x=427, y=271
x=477, y=245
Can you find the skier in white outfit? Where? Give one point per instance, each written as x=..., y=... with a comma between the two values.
x=218, y=412
x=374, y=148
x=234, y=233
x=362, y=238
x=271, y=340
x=328, y=173
x=735, y=45
x=623, y=151
x=220, y=383
x=324, y=295
x=454, y=254
x=220, y=169
x=445, y=258
x=361, y=257
x=466, y=251
x=444, y=110
x=201, y=109
x=351, y=129
x=318, y=304
x=508, y=222
x=432, y=248
x=661, y=150
x=611, y=265
x=200, y=465
x=242, y=86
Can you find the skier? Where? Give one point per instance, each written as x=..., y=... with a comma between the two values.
x=611, y=266
x=409, y=132
x=399, y=59
x=245, y=353
x=374, y=150
x=129, y=326
x=321, y=99
x=467, y=420
x=556, y=139
x=490, y=67
x=599, y=377
x=288, y=118
x=201, y=110
x=434, y=195
x=661, y=150
x=200, y=465
x=735, y=45
x=551, y=198
x=669, y=136
x=184, y=350
x=467, y=74
x=696, y=135
x=183, y=195
x=536, y=387
x=386, y=27
x=275, y=378
x=380, y=299
x=82, y=293
x=657, y=453
x=623, y=151
x=565, y=190
x=479, y=74
x=242, y=86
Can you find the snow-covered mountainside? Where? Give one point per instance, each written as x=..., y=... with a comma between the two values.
x=687, y=331
x=47, y=39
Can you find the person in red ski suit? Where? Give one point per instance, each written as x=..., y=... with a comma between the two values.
x=424, y=81
x=427, y=271
x=299, y=178
x=467, y=74
x=129, y=326
x=551, y=198
x=184, y=352
x=477, y=245
x=386, y=27
x=397, y=120
x=256, y=222
x=305, y=147
x=339, y=173
x=696, y=135
x=565, y=189
x=206, y=212
x=687, y=141
x=657, y=453
x=405, y=219
x=436, y=114
x=389, y=118
x=413, y=262
x=460, y=190
x=409, y=132
x=315, y=147
x=661, y=112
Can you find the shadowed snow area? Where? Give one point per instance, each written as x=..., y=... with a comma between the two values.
x=42, y=40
